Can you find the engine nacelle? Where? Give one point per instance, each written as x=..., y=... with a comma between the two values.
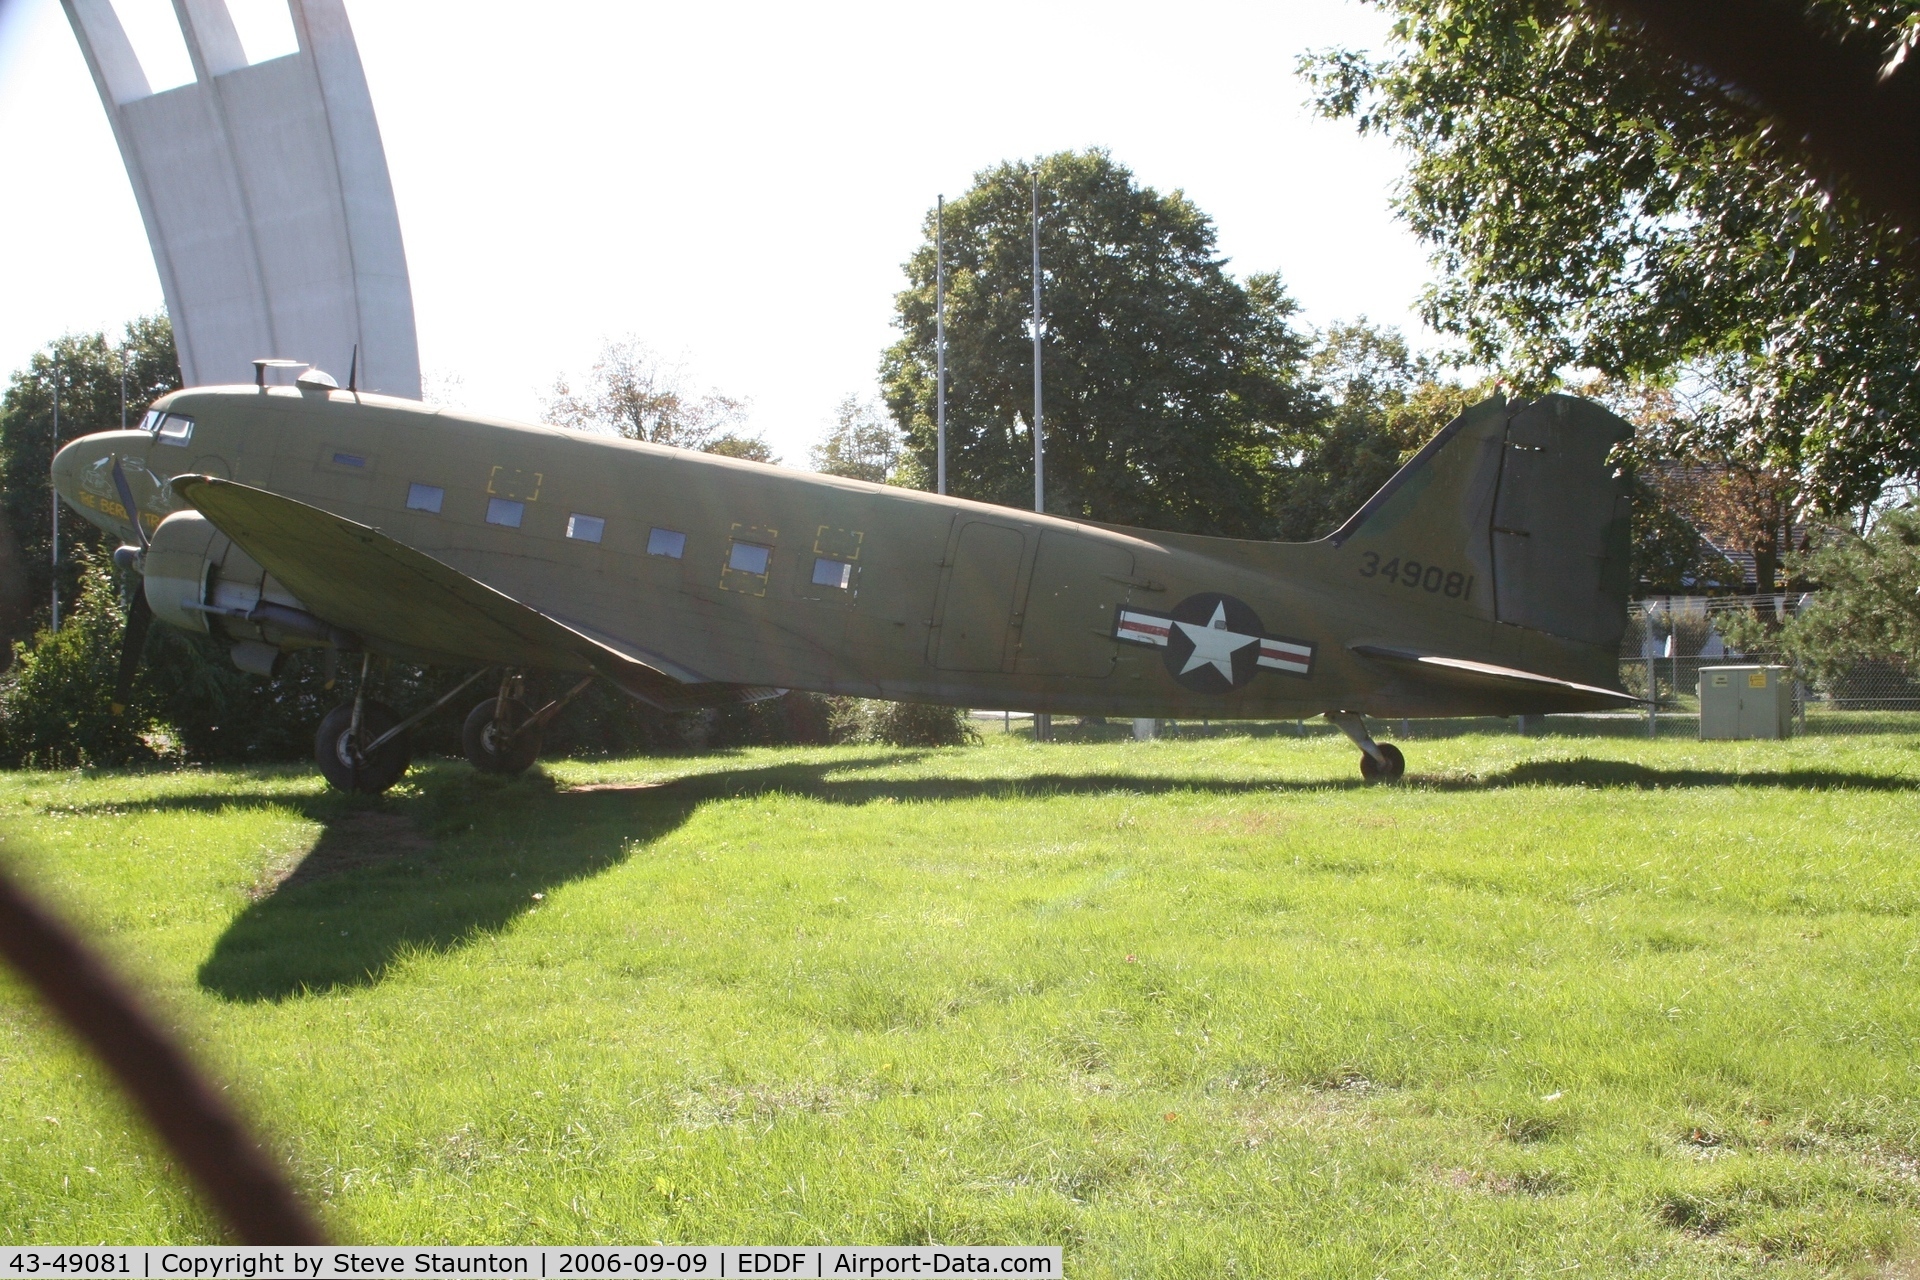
x=197, y=580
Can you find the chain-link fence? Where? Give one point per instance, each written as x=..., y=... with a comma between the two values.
x=1670, y=638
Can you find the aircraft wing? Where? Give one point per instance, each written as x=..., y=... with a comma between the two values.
x=1468, y=676
x=363, y=581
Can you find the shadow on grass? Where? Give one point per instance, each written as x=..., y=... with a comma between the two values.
x=465, y=854
x=1585, y=772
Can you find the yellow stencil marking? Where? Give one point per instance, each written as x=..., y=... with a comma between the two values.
x=512, y=482
x=840, y=544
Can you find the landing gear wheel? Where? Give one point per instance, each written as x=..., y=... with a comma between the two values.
x=493, y=745
x=333, y=749
x=1391, y=771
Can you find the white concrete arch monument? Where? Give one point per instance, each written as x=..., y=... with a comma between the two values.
x=265, y=194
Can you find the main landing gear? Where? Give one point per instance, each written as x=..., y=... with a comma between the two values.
x=364, y=746
x=358, y=749
x=1379, y=761
x=501, y=736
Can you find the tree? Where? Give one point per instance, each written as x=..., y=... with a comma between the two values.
x=1595, y=203
x=751, y=448
x=1169, y=385
x=1670, y=557
x=631, y=393
x=1682, y=499
x=1866, y=607
x=861, y=445
x=1742, y=507
x=87, y=369
x=1383, y=402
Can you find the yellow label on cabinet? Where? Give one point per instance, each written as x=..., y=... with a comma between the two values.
x=1756, y=679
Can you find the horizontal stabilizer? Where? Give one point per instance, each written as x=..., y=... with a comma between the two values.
x=363, y=581
x=1466, y=674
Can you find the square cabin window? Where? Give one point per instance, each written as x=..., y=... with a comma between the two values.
x=585, y=528
x=425, y=497
x=506, y=511
x=666, y=542
x=175, y=429
x=832, y=573
x=748, y=557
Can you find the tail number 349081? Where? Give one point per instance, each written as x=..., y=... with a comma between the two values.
x=1415, y=576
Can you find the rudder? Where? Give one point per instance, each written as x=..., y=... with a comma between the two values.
x=1561, y=531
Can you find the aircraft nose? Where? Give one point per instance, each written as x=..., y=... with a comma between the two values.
x=83, y=477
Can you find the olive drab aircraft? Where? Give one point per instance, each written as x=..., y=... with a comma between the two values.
x=1488, y=577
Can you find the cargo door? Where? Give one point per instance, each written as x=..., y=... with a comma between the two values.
x=977, y=598
x=1068, y=625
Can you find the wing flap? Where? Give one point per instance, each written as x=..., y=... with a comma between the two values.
x=359, y=579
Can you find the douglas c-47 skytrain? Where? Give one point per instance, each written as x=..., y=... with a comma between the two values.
x=1488, y=577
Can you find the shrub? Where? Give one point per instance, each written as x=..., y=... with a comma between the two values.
x=56, y=700
x=900, y=724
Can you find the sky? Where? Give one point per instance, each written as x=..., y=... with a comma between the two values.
x=736, y=185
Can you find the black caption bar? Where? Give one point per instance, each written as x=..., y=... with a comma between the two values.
x=695, y=1262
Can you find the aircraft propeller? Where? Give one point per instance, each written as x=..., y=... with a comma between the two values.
x=139, y=612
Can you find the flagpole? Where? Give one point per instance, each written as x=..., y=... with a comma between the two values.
x=55, y=493
x=1042, y=721
x=1039, y=446
x=940, y=337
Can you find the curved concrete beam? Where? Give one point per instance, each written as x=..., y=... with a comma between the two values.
x=265, y=194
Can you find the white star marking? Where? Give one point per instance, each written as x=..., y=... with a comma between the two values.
x=1213, y=644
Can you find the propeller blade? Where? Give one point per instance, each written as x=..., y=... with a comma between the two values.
x=133, y=512
x=139, y=614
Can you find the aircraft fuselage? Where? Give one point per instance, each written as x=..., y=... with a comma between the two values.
x=716, y=569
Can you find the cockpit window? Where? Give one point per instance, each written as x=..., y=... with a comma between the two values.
x=169, y=428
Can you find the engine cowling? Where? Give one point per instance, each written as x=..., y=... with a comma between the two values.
x=197, y=580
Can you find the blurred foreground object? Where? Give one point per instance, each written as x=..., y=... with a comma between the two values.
x=196, y=1123
x=1853, y=104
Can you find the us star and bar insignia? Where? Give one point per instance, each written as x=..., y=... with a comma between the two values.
x=1214, y=643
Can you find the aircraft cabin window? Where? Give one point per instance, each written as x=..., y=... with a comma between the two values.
x=832, y=573
x=667, y=542
x=348, y=460
x=506, y=511
x=585, y=528
x=174, y=429
x=425, y=497
x=748, y=557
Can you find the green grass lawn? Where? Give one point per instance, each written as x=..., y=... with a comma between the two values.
x=1202, y=1007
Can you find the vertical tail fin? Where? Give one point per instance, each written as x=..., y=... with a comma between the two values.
x=1513, y=514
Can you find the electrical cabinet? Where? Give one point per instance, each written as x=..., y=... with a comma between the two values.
x=1746, y=702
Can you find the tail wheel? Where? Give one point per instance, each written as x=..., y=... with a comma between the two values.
x=1392, y=770
x=335, y=749
x=496, y=743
